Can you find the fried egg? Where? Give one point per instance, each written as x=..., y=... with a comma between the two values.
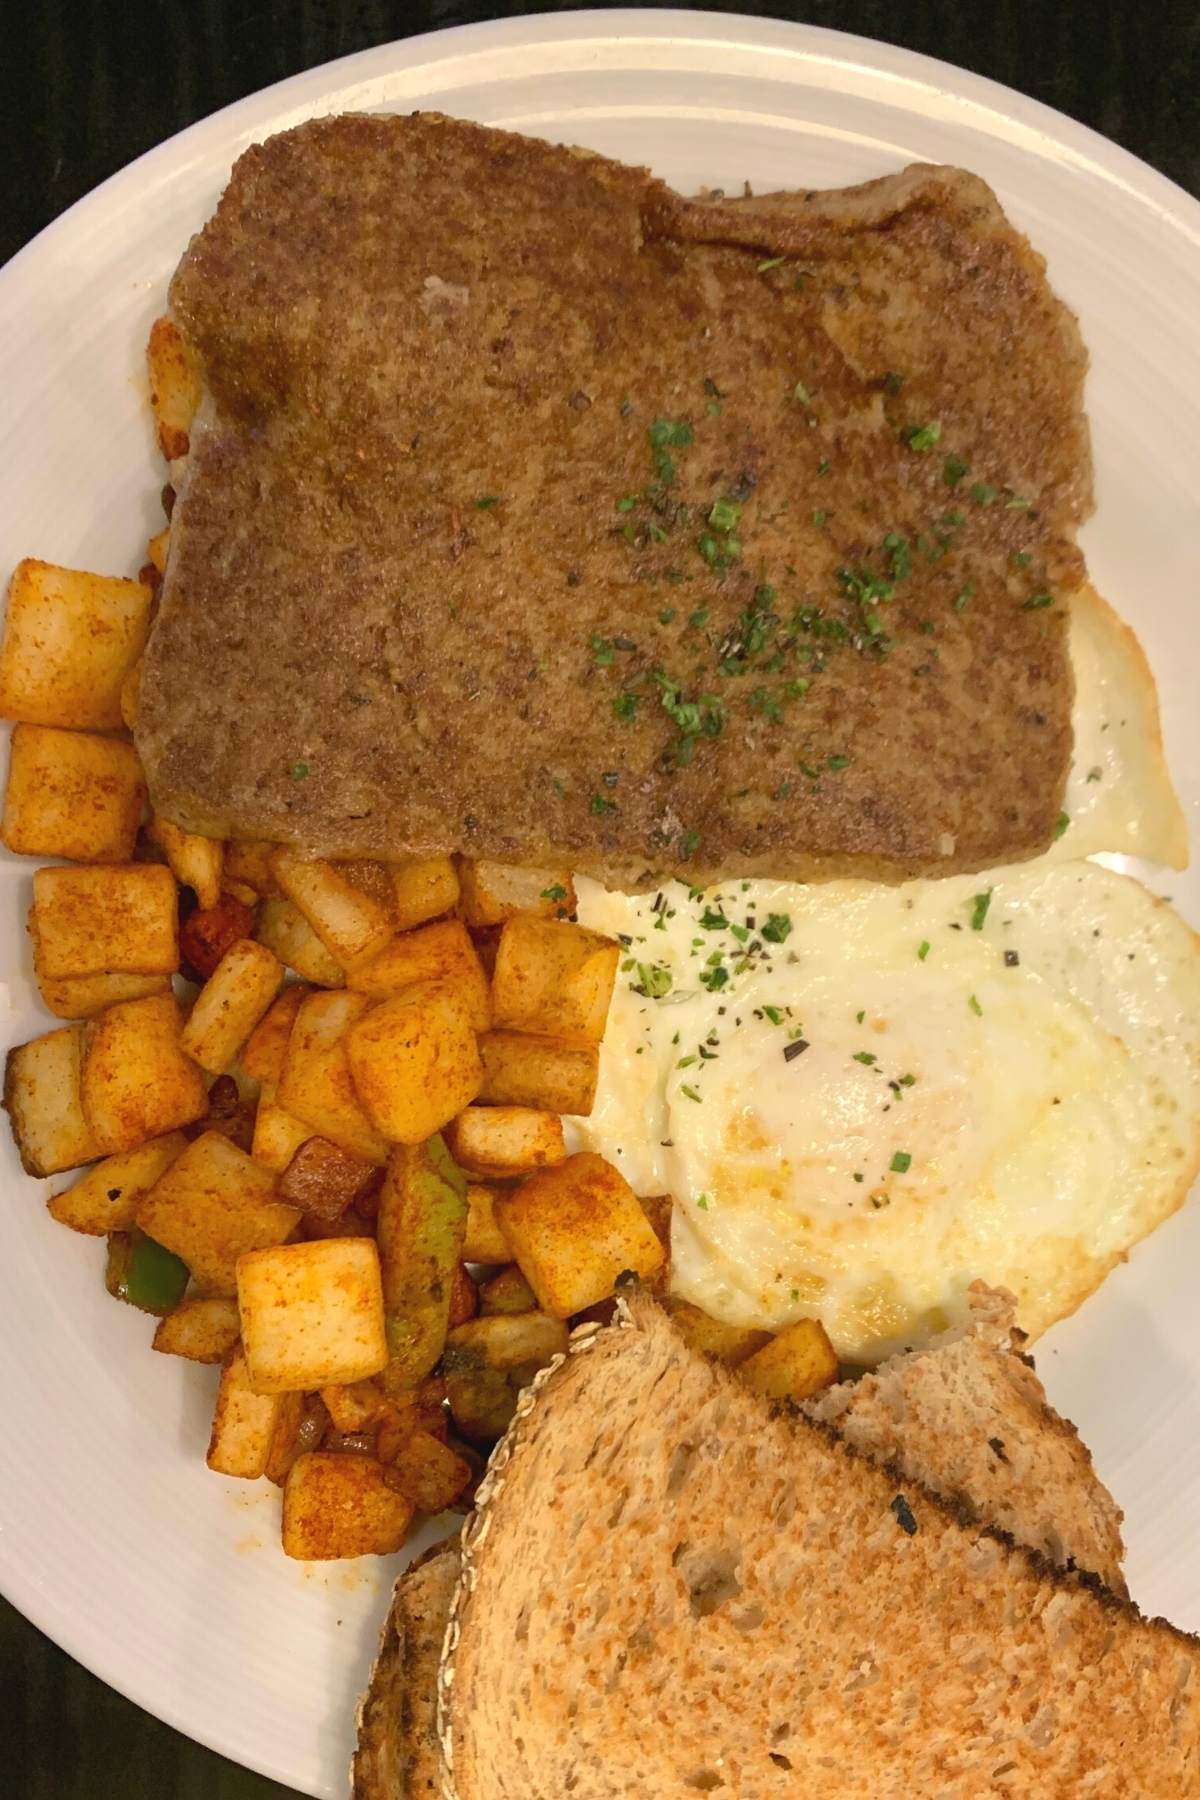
x=862, y=1098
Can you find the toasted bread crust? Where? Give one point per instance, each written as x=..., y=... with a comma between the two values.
x=432, y=528
x=813, y=1614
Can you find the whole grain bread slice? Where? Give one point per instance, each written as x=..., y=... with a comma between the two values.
x=669, y=1588
x=970, y=1419
x=397, y=1755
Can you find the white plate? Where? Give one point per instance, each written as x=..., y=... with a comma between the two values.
x=113, y=1537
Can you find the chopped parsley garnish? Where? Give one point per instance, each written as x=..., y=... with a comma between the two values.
x=603, y=651
x=654, y=980
x=675, y=432
x=773, y=1013
x=298, y=771
x=983, y=495
x=690, y=1092
x=824, y=466
x=600, y=804
x=702, y=1202
x=953, y=470
x=714, y=978
x=713, y=919
x=974, y=1005
x=1037, y=601
x=723, y=515
x=963, y=595
x=666, y=615
x=627, y=502
x=901, y=1163
x=557, y=892
x=921, y=437
x=904, y=1515
x=689, y=841
x=819, y=516
x=486, y=502
x=866, y=1057
x=979, y=909
x=625, y=706
x=838, y=763
x=777, y=928
x=801, y=393
x=860, y=1015
x=772, y=262
x=922, y=949
x=1020, y=558
x=1061, y=823
x=893, y=381
x=702, y=717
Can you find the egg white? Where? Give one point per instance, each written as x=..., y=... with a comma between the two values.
x=1019, y=1102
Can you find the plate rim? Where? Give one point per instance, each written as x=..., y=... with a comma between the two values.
x=248, y=118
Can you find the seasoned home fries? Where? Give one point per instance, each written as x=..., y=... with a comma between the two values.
x=314, y=1109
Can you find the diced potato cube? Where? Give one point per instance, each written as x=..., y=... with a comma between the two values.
x=354, y=1406
x=70, y=638
x=195, y=861
x=729, y=1344
x=796, y=1363
x=576, y=1228
x=492, y=892
x=203, y=1329
x=443, y=953
x=464, y=1298
x=556, y=1074
x=131, y=693
x=414, y=1062
x=209, y=931
x=507, y=1292
x=554, y=979
x=484, y=1241
x=278, y=1134
x=285, y=1439
x=248, y=862
x=230, y=1004
x=108, y=1196
x=119, y=919
x=316, y=1084
x=301, y=1426
x=73, y=795
x=83, y=996
x=283, y=928
x=43, y=1096
x=503, y=1141
x=137, y=1081
x=323, y=1180
x=265, y=1050
x=312, y=1314
x=416, y=1409
x=489, y=1360
x=174, y=387
x=213, y=1205
x=156, y=550
x=339, y=1505
x=424, y=888
x=243, y=1423
x=429, y=1473
x=352, y=925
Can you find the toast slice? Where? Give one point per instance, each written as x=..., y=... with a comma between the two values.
x=970, y=1420
x=398, y=1756
x=539, y=513
x=668, y=1588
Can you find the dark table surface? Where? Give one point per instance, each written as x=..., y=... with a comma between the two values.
x=87, y=85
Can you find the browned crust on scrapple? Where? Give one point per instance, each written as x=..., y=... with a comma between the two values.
x=397, y=1757
x=401, y=317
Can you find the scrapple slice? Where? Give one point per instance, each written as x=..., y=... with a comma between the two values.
x=538, y=513
x=668, y=1589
